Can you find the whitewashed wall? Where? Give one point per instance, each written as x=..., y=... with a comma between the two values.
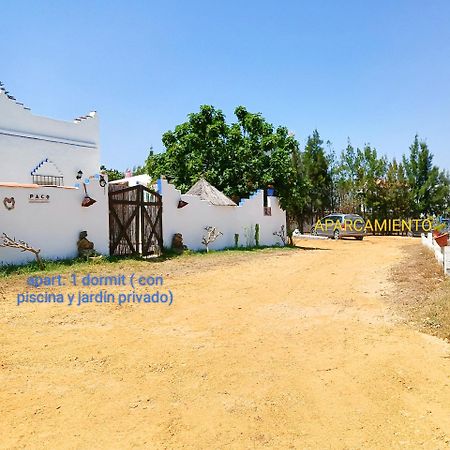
x=191, y=220
x=25, y=141
x=53, y=227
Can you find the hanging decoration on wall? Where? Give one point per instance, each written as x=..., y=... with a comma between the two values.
x=9, y=203
x=87, y=201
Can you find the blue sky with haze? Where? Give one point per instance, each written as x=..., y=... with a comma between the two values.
x=374, y=71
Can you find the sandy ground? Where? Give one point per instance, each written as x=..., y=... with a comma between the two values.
x=276, y=349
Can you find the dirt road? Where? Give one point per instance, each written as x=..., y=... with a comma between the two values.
x=275, y=349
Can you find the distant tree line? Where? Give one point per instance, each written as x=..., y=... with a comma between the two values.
x=251, y=154
x=114, y=174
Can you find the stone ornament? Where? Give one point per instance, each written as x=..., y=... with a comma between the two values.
x=177, y=243
x=85, y=246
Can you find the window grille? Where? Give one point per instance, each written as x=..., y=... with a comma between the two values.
x=48, y=180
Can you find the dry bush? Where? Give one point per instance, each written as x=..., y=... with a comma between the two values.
x=423, y=292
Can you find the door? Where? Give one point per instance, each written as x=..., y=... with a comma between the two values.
x=135, y=221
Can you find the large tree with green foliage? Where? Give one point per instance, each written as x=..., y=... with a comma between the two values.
x=347, y=180
x=429, y=186
x=396, y=191
x=372, y=171
x=238, y=158
x=251, y=153
x=379, y=188
x=360, y=179
x=317, y=176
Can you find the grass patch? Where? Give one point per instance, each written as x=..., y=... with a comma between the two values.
x=244, y=249
x=64, y=265
x=82, y=265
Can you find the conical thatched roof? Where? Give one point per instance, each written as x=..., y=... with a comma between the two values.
x=207, y=192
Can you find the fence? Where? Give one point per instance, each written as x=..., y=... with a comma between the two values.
x=442, y=254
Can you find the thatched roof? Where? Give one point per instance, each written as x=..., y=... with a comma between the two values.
x=207, y=192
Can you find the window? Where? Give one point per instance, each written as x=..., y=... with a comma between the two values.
x=48, y=180
x=46, y=173
x=266, y=204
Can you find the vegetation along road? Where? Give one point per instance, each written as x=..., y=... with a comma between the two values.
x=282, y=349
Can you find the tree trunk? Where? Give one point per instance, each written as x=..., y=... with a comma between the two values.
x=39, y=261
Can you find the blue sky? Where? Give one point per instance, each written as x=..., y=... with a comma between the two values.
x=374, y=71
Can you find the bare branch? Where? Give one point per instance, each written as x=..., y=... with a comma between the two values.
x=212, y=233
x=281, y=234
x=23, y=247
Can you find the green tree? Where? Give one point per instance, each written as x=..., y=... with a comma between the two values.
x=396, y=191
x=348, y=181
x=318, y=177
x=429, y=186
x=238, y=158
x=333, y=169
x=290, y=180
x=113, y=174
x=372, y=171
x=360, y=180
x=195, y=148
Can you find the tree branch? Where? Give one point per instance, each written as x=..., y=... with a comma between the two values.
x=23, y=247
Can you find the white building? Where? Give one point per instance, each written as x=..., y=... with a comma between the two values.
x=204, y=206
x=45, y=166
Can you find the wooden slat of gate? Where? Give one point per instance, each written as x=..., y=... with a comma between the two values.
x=129, y=217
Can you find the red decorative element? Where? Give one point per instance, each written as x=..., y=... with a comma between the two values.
x=87, y=201
x=442, y=240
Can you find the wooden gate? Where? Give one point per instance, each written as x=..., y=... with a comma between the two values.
x=135, y=221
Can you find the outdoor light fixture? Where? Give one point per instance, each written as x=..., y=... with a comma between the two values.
x=79, y=174
x=102, y=181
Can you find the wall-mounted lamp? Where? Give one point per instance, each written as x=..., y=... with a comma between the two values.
x=102, y=181
x=79, y=174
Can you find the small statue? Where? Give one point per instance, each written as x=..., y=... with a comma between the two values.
x=177, y=243
x=85, y=246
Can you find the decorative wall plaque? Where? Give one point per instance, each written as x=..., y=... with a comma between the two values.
x=39, y=198
x=9, y=203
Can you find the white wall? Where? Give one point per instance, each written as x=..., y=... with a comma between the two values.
x=191, y=220
x=25, y=141
x=442, y=254
x=53, y=227
x=135, y=180
x=446, y=258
